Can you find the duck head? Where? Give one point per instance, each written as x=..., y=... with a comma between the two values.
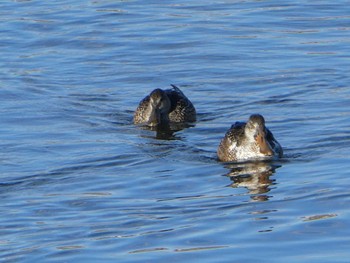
x=159, y=106
x=255, y=130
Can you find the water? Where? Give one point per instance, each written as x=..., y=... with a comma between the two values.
x=81, y=183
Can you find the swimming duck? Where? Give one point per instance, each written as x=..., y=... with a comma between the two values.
x=164, y=106
x=251, y=140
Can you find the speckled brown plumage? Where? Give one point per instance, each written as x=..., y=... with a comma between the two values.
x=251, y=140
x=234, y=135
x=180, y=108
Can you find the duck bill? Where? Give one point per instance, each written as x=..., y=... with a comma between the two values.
x=154, y=118
x=264, y=146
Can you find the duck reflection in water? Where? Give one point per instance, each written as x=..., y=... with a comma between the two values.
x=167, y=131
x=255, y=176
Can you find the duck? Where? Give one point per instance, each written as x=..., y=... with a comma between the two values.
x=250, y=140
x=162, y=107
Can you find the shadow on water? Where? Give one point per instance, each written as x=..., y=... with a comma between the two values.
x=254, y=176
x=168, y=131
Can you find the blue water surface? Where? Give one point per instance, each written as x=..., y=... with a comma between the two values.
x=81, y=183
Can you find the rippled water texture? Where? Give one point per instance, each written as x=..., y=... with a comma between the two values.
x=81, y=183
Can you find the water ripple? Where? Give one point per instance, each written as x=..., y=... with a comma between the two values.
x=80, y=182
